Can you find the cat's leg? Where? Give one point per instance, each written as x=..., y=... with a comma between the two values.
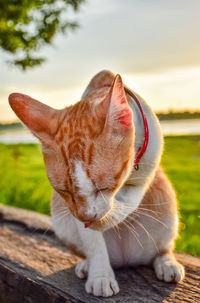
x=161, y=201
x=101, y=278
x=81, y=269
x=167, y=268
x=91, y=244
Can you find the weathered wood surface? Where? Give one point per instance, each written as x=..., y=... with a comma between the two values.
x=35, y=268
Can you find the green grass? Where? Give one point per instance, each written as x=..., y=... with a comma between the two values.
x=181, y=161
x=24, y=183
x=23, y=178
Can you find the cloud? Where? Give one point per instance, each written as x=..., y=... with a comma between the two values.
x=176, y=89
x=131, y=37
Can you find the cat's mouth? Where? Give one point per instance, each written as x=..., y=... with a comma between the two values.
x=87, y=224
x=96, y=224
x=93, y=223
x=97, y=221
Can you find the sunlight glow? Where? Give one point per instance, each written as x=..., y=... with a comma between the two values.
x=176, y=89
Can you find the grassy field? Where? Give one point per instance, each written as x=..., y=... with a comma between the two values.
x=24, y=183
x=181, y=161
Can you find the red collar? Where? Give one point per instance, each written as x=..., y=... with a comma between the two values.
x=141, y=150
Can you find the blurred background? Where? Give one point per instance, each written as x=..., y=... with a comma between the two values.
x=51, y=49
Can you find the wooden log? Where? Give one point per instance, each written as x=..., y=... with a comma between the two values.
x=35, y=268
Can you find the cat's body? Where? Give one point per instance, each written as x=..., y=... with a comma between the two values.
x=151, y=230
x=89, y=150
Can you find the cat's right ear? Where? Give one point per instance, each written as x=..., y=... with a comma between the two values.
x=41, y=119
x=115, y=110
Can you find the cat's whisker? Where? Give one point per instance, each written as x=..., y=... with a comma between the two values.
x=149, y=210
x=122, y=207
x=132, y=226
x=142, y=212
x=112, y=220
x=61, y=208
x=36, y=229
x=152, y=204
x=146, y=231
x=119, y=211
x=117, y=227
x=63, y=212
x=60, y=212
x=45, y=232
x=141, y=208
x=149, y=204
x=143, y=227
x=133, y=232
x=116, y=230
x=148, y=215
x=114, y=225
x=109, y=218
x=103, y=197
x=58, y=217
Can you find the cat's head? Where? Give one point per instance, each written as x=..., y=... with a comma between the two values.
x=87, y=147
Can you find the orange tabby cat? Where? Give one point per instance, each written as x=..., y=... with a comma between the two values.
x=89, y=150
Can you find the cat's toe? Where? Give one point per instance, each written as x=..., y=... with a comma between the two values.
x=169, y=270
x=81, y=269
x=102, y=286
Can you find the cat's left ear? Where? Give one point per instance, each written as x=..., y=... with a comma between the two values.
x=115, y=108
x=40, y=118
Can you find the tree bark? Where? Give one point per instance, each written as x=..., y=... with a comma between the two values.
x=35, y=268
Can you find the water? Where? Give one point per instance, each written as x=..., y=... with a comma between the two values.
x=173, y=127
x=17, y=136
x=181, y=127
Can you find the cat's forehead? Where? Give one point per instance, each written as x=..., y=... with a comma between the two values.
x=80, y=124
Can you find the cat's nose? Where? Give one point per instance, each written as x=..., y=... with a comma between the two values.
x=87, y=218
x=90, y=219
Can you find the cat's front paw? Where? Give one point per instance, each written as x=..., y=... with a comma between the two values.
x=81, y=269
x=168, y=269
x=102, y=286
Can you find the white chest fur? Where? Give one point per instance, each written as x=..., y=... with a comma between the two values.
x=138, y=242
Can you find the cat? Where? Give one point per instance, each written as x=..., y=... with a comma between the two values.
x=104, y=207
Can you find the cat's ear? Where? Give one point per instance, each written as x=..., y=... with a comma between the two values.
x=41, y=119
x=115, y=108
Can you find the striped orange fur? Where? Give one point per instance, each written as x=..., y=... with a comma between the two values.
x=88, y=132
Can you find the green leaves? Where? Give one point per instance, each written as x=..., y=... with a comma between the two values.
x=27, y=25
x=28, y=61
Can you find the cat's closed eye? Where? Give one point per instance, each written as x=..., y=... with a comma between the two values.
x=62, y=190
x=65, y=192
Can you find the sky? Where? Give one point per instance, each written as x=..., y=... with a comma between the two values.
x=153, y=44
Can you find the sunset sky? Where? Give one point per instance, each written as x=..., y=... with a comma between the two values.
x=154, y=45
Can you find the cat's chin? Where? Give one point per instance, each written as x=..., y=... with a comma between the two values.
x=101, y=225
x=98, y=226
